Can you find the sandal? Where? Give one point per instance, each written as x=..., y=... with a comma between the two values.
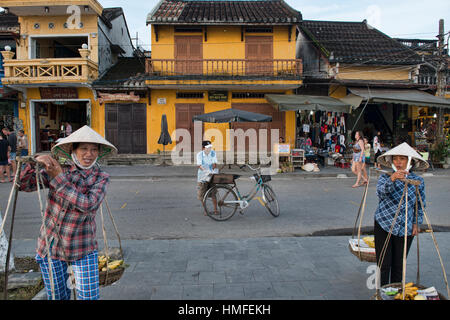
x=355, y=186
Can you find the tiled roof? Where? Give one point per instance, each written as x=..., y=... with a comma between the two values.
x=357, y=43
x=126, y=73
x=8, y=19
x=223, y=12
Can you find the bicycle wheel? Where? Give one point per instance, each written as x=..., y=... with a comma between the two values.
x=271, y=201
x=215, y=202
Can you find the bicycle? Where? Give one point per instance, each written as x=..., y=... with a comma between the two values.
x=223, y=199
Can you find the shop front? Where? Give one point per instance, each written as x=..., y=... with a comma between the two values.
x=321, y=127
x=52, y=113
x=400, y=115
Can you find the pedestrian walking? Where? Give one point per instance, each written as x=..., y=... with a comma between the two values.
x=377, y=149
x=207, y=166
x=12, y=141
x=390, y=188
x=76, y=191
x=4, y=156
x=358, y=159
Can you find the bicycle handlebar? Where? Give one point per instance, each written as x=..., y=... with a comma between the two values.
x=251, y=168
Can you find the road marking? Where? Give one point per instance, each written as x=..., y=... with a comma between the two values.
x=261, y=201
x=353, y=202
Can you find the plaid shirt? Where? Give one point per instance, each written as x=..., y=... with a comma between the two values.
x=73, y=199
x=389, y=195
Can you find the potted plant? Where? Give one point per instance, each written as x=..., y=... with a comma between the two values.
x=440, y=152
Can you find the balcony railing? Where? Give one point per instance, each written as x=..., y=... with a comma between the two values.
x=50, y=70
x=224, y=67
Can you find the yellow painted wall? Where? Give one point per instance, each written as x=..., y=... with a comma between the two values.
x=90, y=26
x=373, y=72
x=155, y=112
x=224, y=42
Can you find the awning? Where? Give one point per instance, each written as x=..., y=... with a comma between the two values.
x=232, y=115
x=410, y=97
x=307, y=102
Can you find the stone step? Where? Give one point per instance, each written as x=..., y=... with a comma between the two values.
x=22, y=280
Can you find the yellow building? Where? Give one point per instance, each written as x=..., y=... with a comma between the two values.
x=378, y=75
x=63, y=47
x=209, y=56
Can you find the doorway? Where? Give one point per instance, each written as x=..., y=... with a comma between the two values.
x=49, y=118
x=126, y=127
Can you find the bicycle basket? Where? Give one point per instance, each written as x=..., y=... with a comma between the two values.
x=263, y=177
x=222, y=179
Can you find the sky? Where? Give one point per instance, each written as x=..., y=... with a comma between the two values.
x=396, y=18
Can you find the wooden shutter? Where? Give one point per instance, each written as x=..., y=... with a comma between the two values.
x=259, y=55
x=184, y=115
x=139, y=118
x=189, y=55
x=112, y=133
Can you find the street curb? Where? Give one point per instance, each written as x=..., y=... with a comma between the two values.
x=277, y=177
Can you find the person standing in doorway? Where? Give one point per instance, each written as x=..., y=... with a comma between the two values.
x=377, y=149
x=68, y=129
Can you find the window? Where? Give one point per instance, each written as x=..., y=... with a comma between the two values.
x=190, y=95
x=251, y=95
x=57, y=47
x=188, y=29
x=259, y=30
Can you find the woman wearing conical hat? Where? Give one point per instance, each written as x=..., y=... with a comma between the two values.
x=402, y=159
x=76, y=191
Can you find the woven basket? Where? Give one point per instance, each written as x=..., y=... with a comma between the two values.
x=107, y=278
x=399, y=285
x=223, y=179
x=363, y=256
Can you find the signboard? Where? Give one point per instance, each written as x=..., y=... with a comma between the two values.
x=218, y=96
x=284, y=149
x=162, y=101
x=59, y=93
x=108, y=97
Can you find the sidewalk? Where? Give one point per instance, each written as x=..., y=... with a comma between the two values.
x=155, y=172
x=313, y=268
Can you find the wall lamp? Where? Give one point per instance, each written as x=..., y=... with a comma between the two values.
x=47, y=9
x=6, y=10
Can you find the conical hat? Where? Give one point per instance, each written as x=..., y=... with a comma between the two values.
x=84, y=135
x=403, y=150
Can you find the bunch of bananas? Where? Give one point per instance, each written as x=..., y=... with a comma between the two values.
x=108, y=264
x=370, y=241
x=410, y=292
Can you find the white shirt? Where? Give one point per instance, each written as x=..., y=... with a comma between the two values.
x=376, y=144
x=206, y=161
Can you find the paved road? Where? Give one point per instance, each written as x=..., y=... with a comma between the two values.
x=254, y=256
x=168, y=209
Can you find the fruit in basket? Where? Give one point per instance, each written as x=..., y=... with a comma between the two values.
x=370, y=241
x=104, y=263
x=410, y=292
